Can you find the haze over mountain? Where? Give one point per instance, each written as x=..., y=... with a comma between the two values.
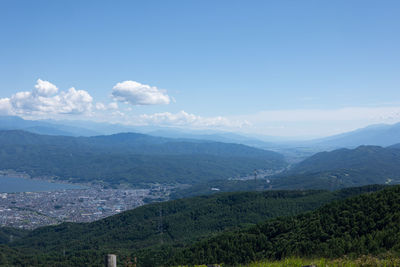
x=130, y=158
x=43, y=127
x=379, y=135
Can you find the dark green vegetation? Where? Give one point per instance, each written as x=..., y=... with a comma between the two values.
x=8, y=234
x=143, y=233
x=210, y=187
x=363, y=225
x=343, y=168
x=129, y=158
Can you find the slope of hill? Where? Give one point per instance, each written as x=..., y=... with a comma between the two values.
x=182, y=222
x=378, y=135
x=129, y=158
x=343, y=168
x=372, y=158
x=395, y=146
x=367, y=224
x=8, y=234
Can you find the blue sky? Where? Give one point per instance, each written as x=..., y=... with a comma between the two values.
x=287, y=68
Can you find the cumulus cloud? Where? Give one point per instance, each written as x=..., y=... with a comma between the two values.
x=75, y=102
x=45, y=88
x=46, y=100
x=183, y=118
x=139, y=94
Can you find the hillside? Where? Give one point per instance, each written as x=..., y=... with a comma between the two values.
x=129, y=158
x=138, y=231
x=343, y=168
x=367, y=224
x=371, y=158
x=219, y=186
x=378, y=135
x=395, y=146
x=8, y=234
x=326, y=170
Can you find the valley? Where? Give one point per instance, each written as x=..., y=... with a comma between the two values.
x=171, y=202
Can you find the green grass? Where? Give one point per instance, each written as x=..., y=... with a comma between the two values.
x=342, y=262
x=365, y=261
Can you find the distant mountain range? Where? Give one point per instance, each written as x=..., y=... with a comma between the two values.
x=43, y=127
x=129, y=158
x=379, y=135
x=87, y=128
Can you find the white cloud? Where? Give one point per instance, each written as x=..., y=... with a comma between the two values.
x=75, y=102
x=45, y=100
x=112, y=106
x=139, y=94
x=45, y=88
x=100, y=106
x=183, y=118
x=5, y=106
x=118, y=113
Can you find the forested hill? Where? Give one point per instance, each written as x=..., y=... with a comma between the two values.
x=130, y=158
x=343, y=168
x=9, y=234
x=138, y=233
x=371, y=158
x=136, y=143
x=367, y=224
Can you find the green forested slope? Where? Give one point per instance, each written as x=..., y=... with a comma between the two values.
x=8, y=234
x=138, y=232
x=367, y=224
x=343, y=168
x=183, y=220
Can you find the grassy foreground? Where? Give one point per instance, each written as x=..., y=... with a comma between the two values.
x=342, y=262
x=367, y=261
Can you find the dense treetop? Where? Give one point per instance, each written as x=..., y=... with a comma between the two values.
x=367, y=224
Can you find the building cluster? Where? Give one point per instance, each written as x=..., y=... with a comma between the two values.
x=34, y=209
